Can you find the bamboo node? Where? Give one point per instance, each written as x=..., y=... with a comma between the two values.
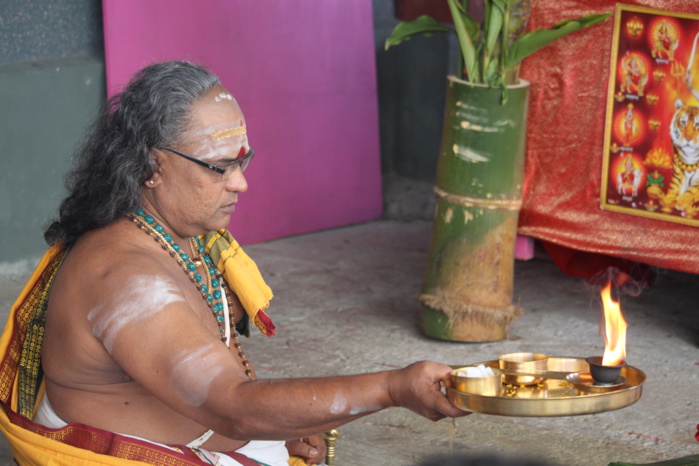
x=493, y=204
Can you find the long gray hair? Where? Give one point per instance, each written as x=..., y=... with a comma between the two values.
x=111, y=166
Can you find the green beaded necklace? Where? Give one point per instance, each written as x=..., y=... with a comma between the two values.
x=212, y=286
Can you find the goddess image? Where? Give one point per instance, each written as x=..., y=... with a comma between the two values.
x=634, y=75
x=665, y=41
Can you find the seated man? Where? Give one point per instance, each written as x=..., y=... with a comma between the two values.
x=148, y=293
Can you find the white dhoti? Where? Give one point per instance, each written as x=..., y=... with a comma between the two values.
x=272, y=453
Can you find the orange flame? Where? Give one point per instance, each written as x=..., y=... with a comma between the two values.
x=614, y=330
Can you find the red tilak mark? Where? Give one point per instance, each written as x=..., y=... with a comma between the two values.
x=241, y=152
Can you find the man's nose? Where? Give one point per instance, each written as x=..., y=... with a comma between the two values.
x=237, y=181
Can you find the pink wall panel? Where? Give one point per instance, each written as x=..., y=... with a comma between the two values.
x=303, y=72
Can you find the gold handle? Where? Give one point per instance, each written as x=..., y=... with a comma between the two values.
x=330, y=439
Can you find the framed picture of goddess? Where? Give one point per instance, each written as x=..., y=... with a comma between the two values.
x=651, y=143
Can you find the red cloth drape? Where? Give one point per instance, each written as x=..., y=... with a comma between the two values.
x=563, y=170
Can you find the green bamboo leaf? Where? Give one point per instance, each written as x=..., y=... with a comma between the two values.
x=490, y=73
x=468, y=50
x=536, y=40
x=424, y=25
x=472, y=27
x=501, y=5
x=504, y=49
x=493, y=21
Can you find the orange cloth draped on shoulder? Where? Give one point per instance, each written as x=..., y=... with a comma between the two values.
x=21, y=388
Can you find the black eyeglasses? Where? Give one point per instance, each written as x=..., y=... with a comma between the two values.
x=241, y=162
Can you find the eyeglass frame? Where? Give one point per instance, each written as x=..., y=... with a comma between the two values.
x=220, y=170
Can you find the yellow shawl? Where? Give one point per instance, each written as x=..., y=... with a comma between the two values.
x=242, y=276
x=21, y=377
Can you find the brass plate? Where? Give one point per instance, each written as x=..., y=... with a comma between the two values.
x=552, y=397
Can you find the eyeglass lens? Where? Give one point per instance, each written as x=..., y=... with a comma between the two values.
x=242, y=162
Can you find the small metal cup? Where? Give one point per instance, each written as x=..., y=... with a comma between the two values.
x=525, y=362
x=604, y=375
x=485, y=386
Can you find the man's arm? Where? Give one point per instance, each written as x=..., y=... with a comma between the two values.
x=154, y=334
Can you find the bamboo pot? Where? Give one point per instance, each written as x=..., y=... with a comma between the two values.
x=469, y=279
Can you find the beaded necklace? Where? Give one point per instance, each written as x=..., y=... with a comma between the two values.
x=212, y=279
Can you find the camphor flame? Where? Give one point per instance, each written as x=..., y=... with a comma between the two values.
x=614, y=331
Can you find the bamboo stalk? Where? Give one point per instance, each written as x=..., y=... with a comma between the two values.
x=469, y=279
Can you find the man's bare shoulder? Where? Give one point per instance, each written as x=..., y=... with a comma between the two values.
x=102, y=268
x=110, y=277
x=108, y=256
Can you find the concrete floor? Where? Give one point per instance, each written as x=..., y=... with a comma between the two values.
x=345, y=302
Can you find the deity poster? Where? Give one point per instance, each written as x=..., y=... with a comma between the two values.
x=651, y=146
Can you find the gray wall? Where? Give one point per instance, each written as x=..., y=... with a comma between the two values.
x=35, y=29
x=412, y=85
x=51, y=85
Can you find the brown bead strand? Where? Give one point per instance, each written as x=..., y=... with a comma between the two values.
x=234, y=333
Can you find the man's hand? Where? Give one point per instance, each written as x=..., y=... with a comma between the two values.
x=311, y=449
x=418, y=387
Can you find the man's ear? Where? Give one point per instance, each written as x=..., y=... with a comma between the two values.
x=154, y=180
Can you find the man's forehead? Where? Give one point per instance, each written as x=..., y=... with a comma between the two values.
x=217, y=127
x=214, y=108
x=221, y=140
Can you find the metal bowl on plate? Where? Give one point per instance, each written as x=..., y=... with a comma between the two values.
x=523, y=362
x=485, y=386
